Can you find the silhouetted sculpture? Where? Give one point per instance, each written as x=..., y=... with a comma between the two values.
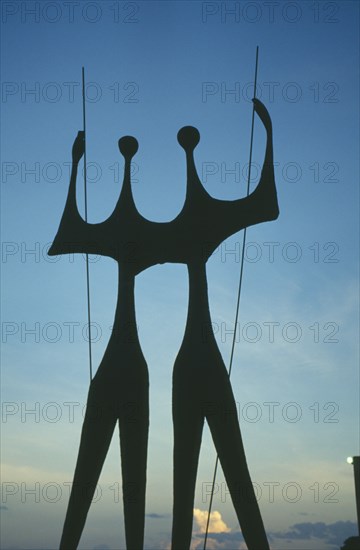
x=119, y=390
x=201, y=386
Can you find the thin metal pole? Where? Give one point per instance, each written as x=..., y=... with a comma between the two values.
x=86, y=219
x=239, y=288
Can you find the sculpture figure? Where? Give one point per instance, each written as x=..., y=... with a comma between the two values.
x=201, y=387
x=119, y=390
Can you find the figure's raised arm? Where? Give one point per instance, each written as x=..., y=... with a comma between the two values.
x=78, y=147
x=259, y=206
x=78, y=150
x=74, y=234
x=263, y=200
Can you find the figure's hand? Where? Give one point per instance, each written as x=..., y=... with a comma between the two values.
x=78, y=147
x=262, y=113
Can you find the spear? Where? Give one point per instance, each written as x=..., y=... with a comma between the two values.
x=86, y=219
x=239, y=289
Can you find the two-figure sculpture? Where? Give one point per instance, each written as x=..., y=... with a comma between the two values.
x=119, y=391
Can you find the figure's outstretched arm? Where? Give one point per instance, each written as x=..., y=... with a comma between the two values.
x=74, y=234
x=77, y=153
x=259, y=206
x=264, y=197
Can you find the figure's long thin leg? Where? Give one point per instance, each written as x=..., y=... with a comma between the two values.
x=134, y=428
x=98, y=427
x=188, y=426
x=227, y=438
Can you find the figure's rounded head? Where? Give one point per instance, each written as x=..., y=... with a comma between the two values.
x=188, y=137
x=128, y=146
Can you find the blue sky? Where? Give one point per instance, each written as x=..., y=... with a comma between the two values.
x=151, y=68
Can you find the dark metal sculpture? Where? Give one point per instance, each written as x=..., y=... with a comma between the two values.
x=201, y=386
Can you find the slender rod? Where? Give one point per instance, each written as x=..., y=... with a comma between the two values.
x=86, y=219
x=239, y=289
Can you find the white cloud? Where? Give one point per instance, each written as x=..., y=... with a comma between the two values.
x=216, y=524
